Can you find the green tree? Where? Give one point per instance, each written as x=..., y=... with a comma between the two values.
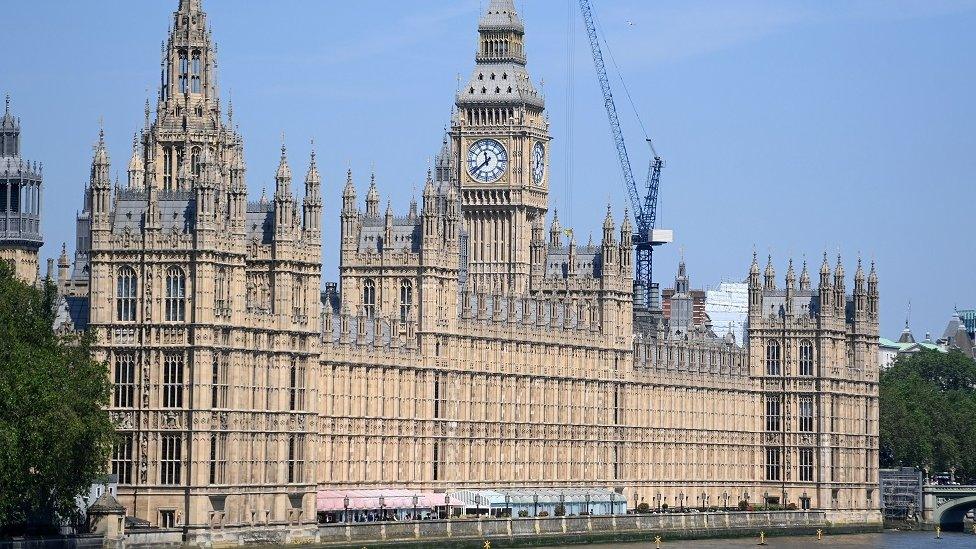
x=55, y=435
x=928, y=412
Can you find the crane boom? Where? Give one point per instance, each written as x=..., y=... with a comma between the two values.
x=645, y=211
x=618, y=136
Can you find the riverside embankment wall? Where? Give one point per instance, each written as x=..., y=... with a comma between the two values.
x=509, y=532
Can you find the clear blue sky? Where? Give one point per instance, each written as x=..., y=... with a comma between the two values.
x=787, y=126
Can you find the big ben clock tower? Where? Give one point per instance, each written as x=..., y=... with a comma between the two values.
x=501, y=139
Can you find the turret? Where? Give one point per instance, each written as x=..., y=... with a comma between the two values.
x=555, y=231
x=825, y=289
x=388, y=226
x=537, y=250
x=312, y=204
x=873, y=294
x=282, y=197
x=238, y=190
x=626, y=245
x=755, y=290
x=349, y=215
x=100, y=183
x=429, y=212
x=372, y=198
x=571, y=267
x=64, y=267
x=769, y=282
x=453, y=220
x=840, y=299
x=204, y=191
x=609, y=242
x=136, y=168
x=790, y=287
x=860, y=293
x=804, y=278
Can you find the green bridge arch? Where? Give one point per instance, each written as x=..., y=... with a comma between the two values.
x=950, y=514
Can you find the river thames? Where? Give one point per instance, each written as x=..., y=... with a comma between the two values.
x=892, y=540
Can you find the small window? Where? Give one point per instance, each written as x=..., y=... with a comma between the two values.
x=773, y=412
x=175, y=295
x=406, y=300
x=772, y=358
x=173, y=381
x=806, y=467
x=125, y=295
x=369, y=298
x=122, y=459
x=806, y=358
x=125, y=380
x=806, y=414
x=167, y=518
x=296, y=458
x=772, y=463
x=171, y=459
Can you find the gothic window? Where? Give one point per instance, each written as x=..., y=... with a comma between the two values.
x=184, y=69
x=175, y=295
x=806, y=414
x=806, y=465
x=173, y=381
x=296, y=458
x=298, y=296
x=122, y=458
x=296, y=386
x=221, y=291
x=773, y=412
x=218, y=458
x=218, y=390
x=369, y=298
x=772, y=463
x=125, y=295
x=406, y=299
x=772, y=358
x=806, y=358
x=125, y=379
x=195, y=73
x=170, y=459
x=167, y=168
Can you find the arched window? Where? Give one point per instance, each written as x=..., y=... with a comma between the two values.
x=806, y=358
x=406, y=299
x=369, y=298
x=184, y=68
x=167, y=168
x=125, y=295
x=772, y=358
x=175, y=295
x=221, y=291
x=195, y=73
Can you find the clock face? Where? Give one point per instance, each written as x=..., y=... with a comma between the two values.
x=538, y=162
x=487, y=160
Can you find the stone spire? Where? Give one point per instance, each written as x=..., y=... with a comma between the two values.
x=282, y=197
x=555, y=231
x=312, y=204
x=804, y=277
x=136, y=168
x=372, y=198
x=769, y=283
x=501, y=16
x=349, y=194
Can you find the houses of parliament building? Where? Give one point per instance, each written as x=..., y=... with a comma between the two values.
x=468, y=344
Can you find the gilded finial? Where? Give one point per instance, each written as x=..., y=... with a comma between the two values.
x=7, y=108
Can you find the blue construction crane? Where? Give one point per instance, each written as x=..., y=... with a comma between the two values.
x=645, y=210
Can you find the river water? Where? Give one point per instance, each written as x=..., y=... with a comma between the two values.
x=886, y=540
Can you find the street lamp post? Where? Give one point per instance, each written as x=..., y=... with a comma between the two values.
x=766, y=500
x=382, y=508
x=447, y=505
x=725, y=496
x=415, y=500
x=659, y=502
x=635, y=502
x=508, y=508
x=704, y=500
x=562, y=503
x=681, y=498
x=345, y=504
x=535, y=504
x=613, y=504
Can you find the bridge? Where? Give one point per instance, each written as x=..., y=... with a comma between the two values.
x=945, y=505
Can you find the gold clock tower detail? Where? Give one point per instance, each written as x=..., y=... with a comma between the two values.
x=501, y=146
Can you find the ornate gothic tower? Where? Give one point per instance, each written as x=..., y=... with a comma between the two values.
x=501, y=142
x=20, y=202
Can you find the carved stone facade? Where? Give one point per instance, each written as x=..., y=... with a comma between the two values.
x=463, y=347
x=21, y=185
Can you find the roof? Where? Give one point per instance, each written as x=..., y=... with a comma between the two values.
x=501, y=15
x=106, y=504
x=336, y=500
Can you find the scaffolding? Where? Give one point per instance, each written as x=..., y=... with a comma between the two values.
x=901, y=492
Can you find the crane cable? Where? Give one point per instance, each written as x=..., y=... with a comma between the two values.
x=620, y=76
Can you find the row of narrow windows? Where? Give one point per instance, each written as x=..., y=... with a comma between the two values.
x=774, y=414
x=127, y=291
x=774, y=358
x=406, y=299
x=490, y=116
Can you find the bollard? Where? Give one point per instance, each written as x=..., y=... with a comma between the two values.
x=819, y=534
x=762, y=538
x=657, y=542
